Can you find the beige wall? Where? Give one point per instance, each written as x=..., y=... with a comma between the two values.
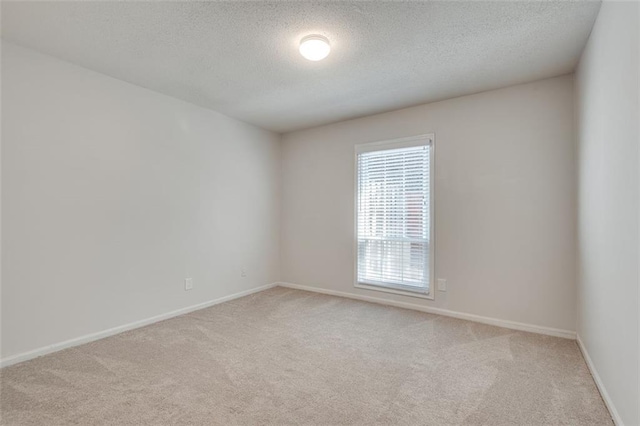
x=113, y=194
x=607, y=131
x=504, y=194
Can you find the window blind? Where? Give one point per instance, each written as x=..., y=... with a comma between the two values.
x=393, y=217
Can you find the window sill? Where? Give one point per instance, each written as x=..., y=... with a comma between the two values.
x=409, y=293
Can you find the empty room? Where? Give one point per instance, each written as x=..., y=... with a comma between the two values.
x=320, y=213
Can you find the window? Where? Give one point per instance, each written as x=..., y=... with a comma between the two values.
x=394, y=215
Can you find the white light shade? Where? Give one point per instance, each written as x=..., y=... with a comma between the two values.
x=314, y=47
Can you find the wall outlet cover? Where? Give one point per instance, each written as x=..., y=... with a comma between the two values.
x=442, y=284
x=188, y=283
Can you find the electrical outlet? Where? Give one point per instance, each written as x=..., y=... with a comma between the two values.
x=243, y=272
x=442, y=284
x=188, y=284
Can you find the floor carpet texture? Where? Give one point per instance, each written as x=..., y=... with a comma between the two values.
x=290, y=357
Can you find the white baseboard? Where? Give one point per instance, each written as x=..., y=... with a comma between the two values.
x=14, y=359
x=25, y=356
x=596, y=378
x=567, y=334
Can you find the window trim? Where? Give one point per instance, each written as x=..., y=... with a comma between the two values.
x=405, y=142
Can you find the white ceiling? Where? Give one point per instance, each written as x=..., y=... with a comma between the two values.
x=241, y=58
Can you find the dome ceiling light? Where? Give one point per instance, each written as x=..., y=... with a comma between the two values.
x=315, y=47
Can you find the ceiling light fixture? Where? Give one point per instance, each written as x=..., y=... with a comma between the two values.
x=314, y=47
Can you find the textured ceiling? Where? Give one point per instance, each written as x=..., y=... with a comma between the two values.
x=241, y=58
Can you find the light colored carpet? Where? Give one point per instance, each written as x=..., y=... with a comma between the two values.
x=292, y=357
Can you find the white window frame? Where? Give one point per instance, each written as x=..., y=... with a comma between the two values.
x=393, y=144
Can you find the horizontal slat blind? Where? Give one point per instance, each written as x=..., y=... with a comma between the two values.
x=393, y=217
